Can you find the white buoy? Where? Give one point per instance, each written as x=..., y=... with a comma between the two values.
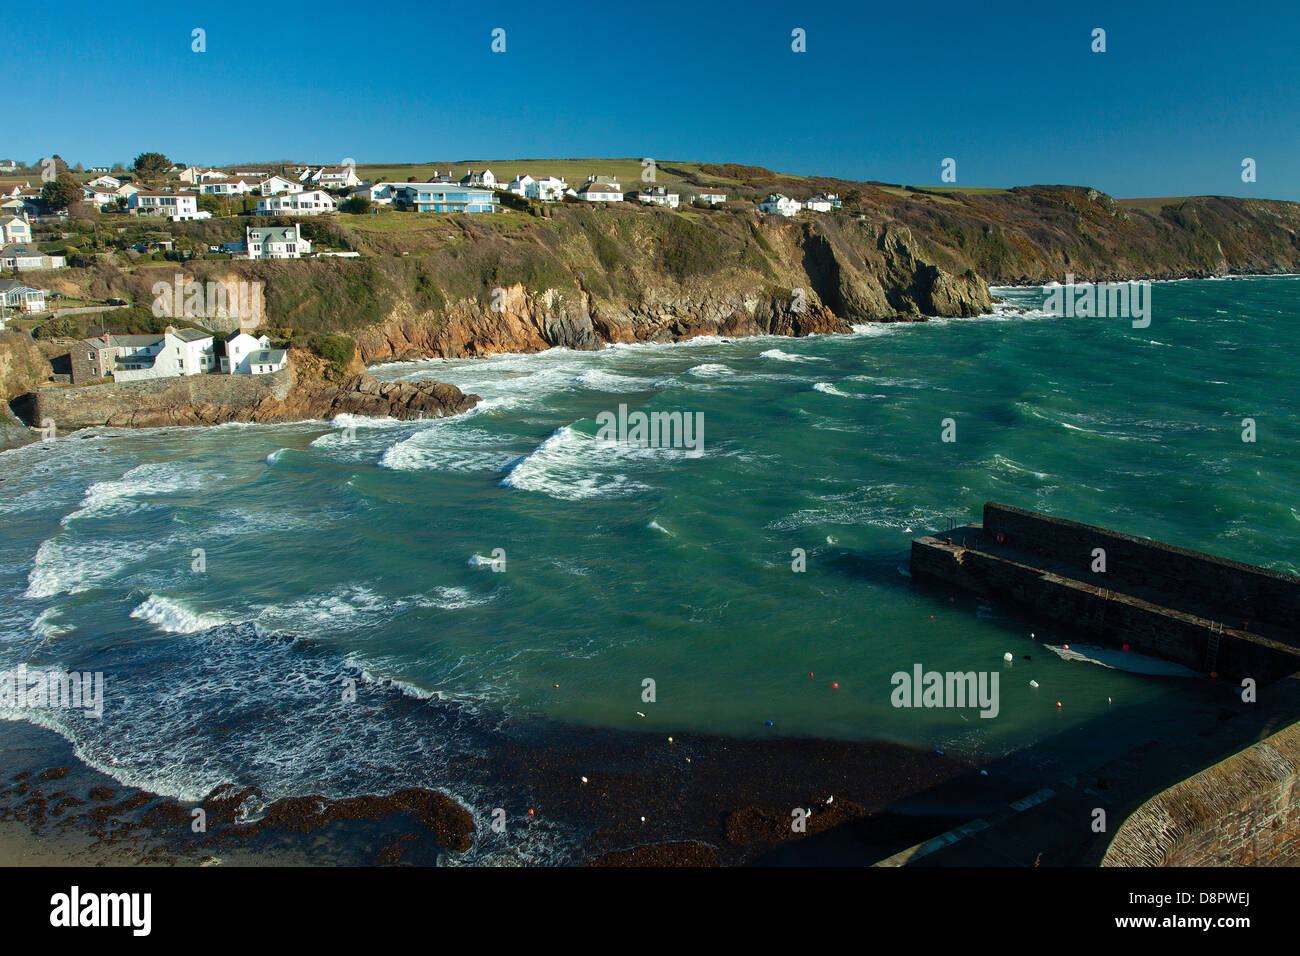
x=1007, y=657
x=584, y=779
x=1034, y=684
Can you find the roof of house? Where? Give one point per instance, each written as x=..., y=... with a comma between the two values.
x=191, y=335
x=19, y=249
x=8, y=219
x=13, y=285
x=274, y=233
x=266, y=356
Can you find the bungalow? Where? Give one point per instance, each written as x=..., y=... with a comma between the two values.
x=780, y=205
x=98, y=196
x=19, y=257
x=15, y=295
x=178, y=207
x=712, y=198
x=192, y=175
x=481, y=178
x=659, y=196
x=7, y=165
x=127, y=190
x=234, y=186
x=133, y=357
x=211, y=176
x=823, y=202
x=111, y=182
x=601, y=189
x=336, y=177
x=279, y=184
x=275, y=242
x=434, y=197
x=98, y=169
x=14, y=229
x=240, y=346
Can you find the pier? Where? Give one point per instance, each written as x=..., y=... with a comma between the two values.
x=1207, y=613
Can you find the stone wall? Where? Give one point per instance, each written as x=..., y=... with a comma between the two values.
x=1255, y=594
x=91, y=405
x=1243, y=811
x=1104, y=616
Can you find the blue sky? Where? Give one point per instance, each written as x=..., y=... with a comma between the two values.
x=1012, y=91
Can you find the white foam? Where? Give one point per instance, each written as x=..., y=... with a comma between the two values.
x=829, y=389
x=572, y=466
x=175, y=617
x=782, y=356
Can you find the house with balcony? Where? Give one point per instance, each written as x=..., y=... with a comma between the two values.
x=309, y=202
x=435, y=197
x=178, y=207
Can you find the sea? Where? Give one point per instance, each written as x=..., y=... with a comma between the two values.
x=360, y=606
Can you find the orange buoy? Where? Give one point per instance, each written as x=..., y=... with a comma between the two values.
x=835, y=685
x=1058, y=704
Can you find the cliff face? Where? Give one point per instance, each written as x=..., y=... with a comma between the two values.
x=579, y=277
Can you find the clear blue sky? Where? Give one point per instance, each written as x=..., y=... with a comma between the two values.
x=1012, y=91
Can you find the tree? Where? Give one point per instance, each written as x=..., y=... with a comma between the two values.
x=152, y=164
x=358, y=205
x=61, y=193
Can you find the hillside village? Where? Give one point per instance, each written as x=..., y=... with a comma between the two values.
x=282, y=197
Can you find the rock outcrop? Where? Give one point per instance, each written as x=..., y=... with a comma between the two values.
x=301, y=392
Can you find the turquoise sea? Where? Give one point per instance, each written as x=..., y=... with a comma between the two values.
x=506, y=566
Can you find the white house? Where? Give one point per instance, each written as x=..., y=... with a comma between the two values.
x=780, y=205
x=823, y=202
x=211, y=176
x=275, y=242
x=307, y=203
x=127, y=189
x=659, y=196
x=712, y=198
x=98, y=196
x=14, y=229
x=191, y=175
x=133, y=357
x=483, y=178
x=109, y=182
x=601, y=189
x=266, y=361
x=545, y=188
x=239, y=347
x=233, y=186
x=15, y=295
x=178, y=207
x=278, y=184
x=336, y=177
x=7, y=165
